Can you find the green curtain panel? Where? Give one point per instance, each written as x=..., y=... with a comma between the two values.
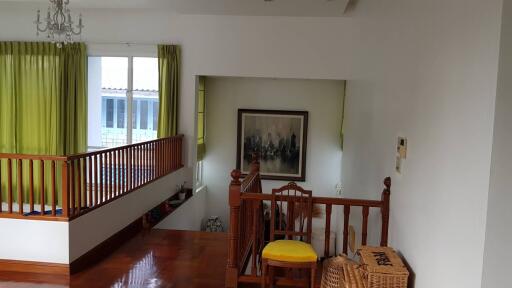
x=201, y=149
x=43, y=103
x=343, y=97
x=168, y=87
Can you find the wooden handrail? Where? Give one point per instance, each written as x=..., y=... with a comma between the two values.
x=85, y=181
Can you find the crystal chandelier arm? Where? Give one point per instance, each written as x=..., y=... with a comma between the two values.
x=79, y=26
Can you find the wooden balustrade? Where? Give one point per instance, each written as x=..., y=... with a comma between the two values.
x=70, y=186
x=246, y=223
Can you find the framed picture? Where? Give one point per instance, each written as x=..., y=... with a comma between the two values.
x=279, y=137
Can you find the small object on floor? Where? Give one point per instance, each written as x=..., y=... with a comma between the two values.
x=381, y=267
x=175, y=203
x=213, y=224
x=332, y=273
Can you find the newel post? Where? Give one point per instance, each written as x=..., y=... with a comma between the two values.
x=234, y=230
x=386, y=193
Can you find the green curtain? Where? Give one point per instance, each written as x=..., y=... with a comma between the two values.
x=168, y=87
x=43, y=103
x=343, y=97
x=201, y=149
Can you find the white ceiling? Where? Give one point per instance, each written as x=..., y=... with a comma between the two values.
x=315, y=8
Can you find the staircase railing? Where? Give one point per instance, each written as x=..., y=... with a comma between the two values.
x=244, y=205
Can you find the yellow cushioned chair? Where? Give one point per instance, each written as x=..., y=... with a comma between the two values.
x=290, y=253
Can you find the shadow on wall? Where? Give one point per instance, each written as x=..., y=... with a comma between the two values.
x=412, y=275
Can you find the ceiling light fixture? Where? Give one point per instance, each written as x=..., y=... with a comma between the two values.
x=58, y=23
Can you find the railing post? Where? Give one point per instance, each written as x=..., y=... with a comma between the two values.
x=386, y=193
x=234, y=227
x=65, y=191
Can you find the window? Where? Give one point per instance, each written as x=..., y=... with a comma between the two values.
x=134, y=113
x=110, y=113
x=129, y=109
x=121, y=108
x=201, y=125
x=145, y=94
x=155, y=115
x=144, y=115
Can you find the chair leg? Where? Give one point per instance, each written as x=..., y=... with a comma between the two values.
x=313, y=275
x=271, y=276
x=264, y=268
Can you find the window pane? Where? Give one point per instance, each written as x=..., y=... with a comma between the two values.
x=145, y=92
x=110, y=113
x=145, y=74
x=107, y=86
x=155, y=115
x=121, y=113
x=135, y=115
x=144, y=115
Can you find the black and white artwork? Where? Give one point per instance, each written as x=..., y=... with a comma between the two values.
x=278, y=137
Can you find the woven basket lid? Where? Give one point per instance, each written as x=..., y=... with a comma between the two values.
x=382, y=260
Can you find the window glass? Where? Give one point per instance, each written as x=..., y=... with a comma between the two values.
x=155, y=115
x=110, y=113
x=121, y=114
x=135, y=114
x=109, y=95
x=144, y=115
x=145, y=93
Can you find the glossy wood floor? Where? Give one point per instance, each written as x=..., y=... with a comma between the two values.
x=155, y=258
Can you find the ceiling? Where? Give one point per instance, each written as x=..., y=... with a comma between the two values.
x=314, y=8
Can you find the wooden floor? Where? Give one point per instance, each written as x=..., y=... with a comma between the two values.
x=158, y=258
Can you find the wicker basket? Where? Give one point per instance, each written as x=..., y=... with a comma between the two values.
x=353, y=277
x=381, y=267
x=334, y=274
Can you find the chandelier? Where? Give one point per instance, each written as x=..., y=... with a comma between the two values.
x=58, y=23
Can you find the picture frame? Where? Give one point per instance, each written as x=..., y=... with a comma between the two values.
x=279, y=138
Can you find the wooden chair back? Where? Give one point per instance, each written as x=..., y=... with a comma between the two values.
x=299, y=205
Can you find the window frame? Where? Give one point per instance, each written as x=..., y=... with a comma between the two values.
x=98, y=51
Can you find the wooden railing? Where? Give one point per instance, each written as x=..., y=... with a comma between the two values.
x=246, y=223
x=251, y=213
x=69, y=186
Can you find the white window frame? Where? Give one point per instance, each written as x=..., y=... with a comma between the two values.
x=100, y=50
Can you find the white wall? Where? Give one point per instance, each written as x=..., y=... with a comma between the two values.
x=188, y=216
x=497, y=264
x=225, y=95
x=89, y=230
x=39, y=241
x=286, y=47
x=429, y=74
x=64, y=242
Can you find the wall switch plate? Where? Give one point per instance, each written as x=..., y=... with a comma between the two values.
x=339, y=189
x=401, y=147
x=401, y=153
